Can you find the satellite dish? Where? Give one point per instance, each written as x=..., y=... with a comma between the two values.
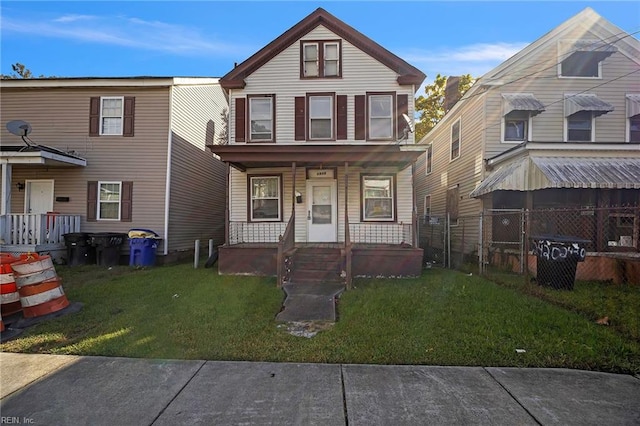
x=19, y=128
x=409, y=123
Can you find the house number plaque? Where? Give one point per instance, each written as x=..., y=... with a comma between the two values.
x=321, y=174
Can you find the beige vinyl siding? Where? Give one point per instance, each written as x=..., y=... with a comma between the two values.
x=60, y=119
x=198, y=178
x=404, y=195
x=281, y=75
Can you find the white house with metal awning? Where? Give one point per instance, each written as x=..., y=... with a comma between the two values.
x=556, y=126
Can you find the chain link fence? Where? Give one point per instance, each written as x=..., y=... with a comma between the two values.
x=555, y=247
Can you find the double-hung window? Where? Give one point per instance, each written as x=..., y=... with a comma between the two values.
x=429, y=159
x=321, y=123
x=109, y=197
x=455, y=140
x=381, y=113
x=265, y=198
x=634, y=128
x=579, y=127
x=516, y=125
x=633, y=116
x=111, y=115
x=320, y=59
x=378, y=198
x=261, y=118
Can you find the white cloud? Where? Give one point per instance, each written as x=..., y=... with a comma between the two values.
x=124, y=31
x=475, y=59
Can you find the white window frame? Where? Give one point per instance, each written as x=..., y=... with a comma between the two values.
x=325, y=60
x=330, y=117
x=527, y=123
x=593, y=129
x=390, y=117
x=564, y=54
x=428, y=165
x=104, y=116
x=100, y=201
x=629, y=118
x=391, y=197
x=278, y=197
x=315, y=60
x=256, y=117
x=459, y=123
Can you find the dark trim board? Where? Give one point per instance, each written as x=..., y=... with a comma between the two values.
x=247, y=259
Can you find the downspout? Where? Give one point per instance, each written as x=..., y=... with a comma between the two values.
x=167, y=189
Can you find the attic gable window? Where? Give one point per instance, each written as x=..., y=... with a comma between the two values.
x=583, y=58
x=321, y=59
x=455, y=140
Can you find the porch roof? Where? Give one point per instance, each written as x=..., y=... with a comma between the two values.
x=532, y=173
x=39, y=155
x=245, y=156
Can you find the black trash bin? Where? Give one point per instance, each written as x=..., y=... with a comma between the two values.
x=557, y=259
x=107, y=246
x=79, y=249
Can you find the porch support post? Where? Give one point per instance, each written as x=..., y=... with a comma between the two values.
x=347, y=236
x=226, y=206
x=5, y=208
x=293, y=199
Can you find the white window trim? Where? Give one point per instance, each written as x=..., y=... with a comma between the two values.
x=563, y=54
x=324, y=58
x=390, y=117
x=251, y=118
x=459, y=120
x=392, y=197
x=304, y=58
x=502, y=131
x=627, y=130
x=102, y=117
x=331, y=117
x=100, y=183
x=424, y=211
x=566, y=124
x=279, y=198
x=427, y=172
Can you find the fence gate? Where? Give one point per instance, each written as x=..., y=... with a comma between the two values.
x=502, y=239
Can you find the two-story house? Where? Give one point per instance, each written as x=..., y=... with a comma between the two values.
x=321, y=151
x=106, y=155
x=554, y=126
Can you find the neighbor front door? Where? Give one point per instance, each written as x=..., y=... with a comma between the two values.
x=39, y=196
x=322, y=210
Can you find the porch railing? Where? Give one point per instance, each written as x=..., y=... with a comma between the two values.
x=381, y=233
x=286, y=244
x=28, y=228
x=255, y=232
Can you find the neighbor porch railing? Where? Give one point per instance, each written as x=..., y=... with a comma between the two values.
x=28, y=228
x=255, y=232
x=347, y=254
x=381, y=233
x=286, y=245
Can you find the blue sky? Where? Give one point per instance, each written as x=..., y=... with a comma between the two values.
x=205, y=38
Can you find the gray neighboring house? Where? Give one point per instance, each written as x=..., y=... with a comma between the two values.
x=109, y=155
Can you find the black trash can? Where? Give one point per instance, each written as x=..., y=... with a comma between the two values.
x=79, y=249
x=107, y=246
x=557, y=258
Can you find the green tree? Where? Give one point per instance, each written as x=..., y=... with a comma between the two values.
x=223, y=134
x=431, y=106
x=20, y=71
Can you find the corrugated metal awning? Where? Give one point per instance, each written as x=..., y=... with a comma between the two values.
x=521, y=102
x=586, y=102
x=633, y=105
x=532, y=173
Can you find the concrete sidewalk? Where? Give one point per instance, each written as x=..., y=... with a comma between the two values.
x=70, y=390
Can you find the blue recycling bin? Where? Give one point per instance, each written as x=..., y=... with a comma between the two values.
x=143, y=245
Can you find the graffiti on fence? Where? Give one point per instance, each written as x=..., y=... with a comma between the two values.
x=558, y=251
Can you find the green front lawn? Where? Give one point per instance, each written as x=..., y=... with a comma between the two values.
x=442, y=318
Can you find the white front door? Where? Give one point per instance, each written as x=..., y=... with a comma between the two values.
x=322, y=210
x=39, y=196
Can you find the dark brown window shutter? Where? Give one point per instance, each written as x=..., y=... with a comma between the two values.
x=300, y=118
x=403, y=108
x=240, y=119
x=92, y=201
x=360, y=118
x=126, y=204
x=341, y=117
x=129, y=112
x=94, y=116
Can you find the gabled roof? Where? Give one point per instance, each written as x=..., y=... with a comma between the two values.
x=408, y=74
x=588, y=18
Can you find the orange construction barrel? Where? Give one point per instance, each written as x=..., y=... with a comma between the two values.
x=9, y=296
x=40, y=288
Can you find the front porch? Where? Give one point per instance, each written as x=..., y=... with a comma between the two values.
x=37, y=233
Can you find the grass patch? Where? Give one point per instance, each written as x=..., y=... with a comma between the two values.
x=442, y=318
